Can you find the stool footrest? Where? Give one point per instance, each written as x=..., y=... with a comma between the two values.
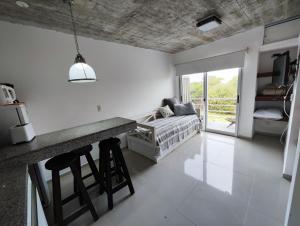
x=69, y=198
x=86, y=176
x=92, y=185
x=119, y=186
x=75, y=214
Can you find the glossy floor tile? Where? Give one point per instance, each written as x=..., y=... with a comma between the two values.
x=210, y=180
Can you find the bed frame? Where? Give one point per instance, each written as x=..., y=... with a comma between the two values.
x=150, y=148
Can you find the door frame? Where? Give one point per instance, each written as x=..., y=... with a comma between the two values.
x=236, y=132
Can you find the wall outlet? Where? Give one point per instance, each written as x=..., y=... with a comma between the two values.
x=99, y=109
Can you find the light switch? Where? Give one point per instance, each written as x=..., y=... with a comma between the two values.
x=99, y=109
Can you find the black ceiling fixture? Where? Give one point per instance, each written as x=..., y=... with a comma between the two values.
x=208, y=23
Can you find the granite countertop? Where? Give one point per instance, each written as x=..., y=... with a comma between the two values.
x=14, y=160
x=44, y=146
x=13, y=194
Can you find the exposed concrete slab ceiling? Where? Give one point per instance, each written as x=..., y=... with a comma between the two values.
x=166, y=25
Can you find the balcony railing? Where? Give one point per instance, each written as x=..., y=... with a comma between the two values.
x=225, y=106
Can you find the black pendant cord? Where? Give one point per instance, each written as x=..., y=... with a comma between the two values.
x=79, y=57
x=74, y=27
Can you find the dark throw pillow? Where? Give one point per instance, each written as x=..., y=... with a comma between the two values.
x=184, y=109
x=170, y=102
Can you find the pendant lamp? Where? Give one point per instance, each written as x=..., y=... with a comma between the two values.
x=80, y=71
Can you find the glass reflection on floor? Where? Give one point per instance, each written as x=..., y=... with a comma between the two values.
x=205, y=168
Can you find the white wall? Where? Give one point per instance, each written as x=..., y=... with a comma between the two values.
x=282, y=31
x=132, y=80
x=251, y=39
x=293, y=127
x=292, y=217
x=269, y=127
x=265, y=64
x=266, y=60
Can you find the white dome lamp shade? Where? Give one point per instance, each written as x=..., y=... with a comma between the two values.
x=80, y=71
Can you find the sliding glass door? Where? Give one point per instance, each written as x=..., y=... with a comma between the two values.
x=215, y=95
x=222, y=100
x=193, y=91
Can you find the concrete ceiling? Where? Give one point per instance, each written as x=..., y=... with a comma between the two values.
x=166, y=25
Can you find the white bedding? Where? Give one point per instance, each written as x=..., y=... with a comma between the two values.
x=172, y=130
x=169, y=133
x=169, y=130
x=268, y=113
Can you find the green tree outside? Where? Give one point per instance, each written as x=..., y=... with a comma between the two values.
x=218, y=110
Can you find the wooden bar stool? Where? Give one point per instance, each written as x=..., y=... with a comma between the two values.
x=56, y=164
x=85, y=151
x=115, y=169
x=108, y=148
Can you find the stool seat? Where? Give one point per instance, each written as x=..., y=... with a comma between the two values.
x=84, y=150
x=111, y=141
x=60, y=162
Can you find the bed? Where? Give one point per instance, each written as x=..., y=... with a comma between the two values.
x=155, y=139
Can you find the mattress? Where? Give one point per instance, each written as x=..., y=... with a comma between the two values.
x=172, y=130
x=268, y=113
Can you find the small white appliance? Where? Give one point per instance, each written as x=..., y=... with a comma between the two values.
x=7, y=95
x=23, y=132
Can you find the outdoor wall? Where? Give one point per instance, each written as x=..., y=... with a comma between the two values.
x=252, y=40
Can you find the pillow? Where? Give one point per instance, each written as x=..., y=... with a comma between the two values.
x=166, y=111
x=170, y=102
x=184, y=109
x=157, y=115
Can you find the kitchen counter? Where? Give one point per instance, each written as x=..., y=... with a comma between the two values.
x=13, y=193
x=14, y=160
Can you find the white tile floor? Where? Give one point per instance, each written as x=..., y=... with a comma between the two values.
x=211, y=180
x=221, y=126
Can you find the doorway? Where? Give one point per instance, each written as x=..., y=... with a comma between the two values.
x=215, y=95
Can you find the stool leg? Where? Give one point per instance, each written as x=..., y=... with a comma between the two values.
x=76, y=190
x=108, y=183
x=118, y=152
x=94, y=169
x=57, y=206
x=84, y=193
x=101, y=168
x=117, y=166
